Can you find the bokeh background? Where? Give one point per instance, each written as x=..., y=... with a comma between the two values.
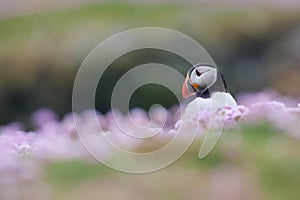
x=256, y=44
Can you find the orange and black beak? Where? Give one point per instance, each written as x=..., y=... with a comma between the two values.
x=187, y=87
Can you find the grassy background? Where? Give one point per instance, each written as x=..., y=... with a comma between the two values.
x=252, y=163
x=40, y=52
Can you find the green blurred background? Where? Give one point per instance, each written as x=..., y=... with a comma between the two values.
x=42, y=44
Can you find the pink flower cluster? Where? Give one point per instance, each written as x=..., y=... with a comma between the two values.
x=55, y=139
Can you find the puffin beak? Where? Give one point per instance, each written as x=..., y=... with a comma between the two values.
x=185, y=90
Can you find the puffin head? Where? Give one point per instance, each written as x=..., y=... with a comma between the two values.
x=199, y=78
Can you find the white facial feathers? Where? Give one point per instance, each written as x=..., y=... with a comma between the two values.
x=203, y=76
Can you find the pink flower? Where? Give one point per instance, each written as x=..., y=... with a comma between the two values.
x=269, y=95
x=42, y=117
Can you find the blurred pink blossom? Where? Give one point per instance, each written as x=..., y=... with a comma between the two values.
x=22, y=152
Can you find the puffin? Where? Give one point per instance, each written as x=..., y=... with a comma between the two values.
x=206, y=85
x=204, y=90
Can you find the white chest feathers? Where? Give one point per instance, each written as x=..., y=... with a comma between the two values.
x=217, y=100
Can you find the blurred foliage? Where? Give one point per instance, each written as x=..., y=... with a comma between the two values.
x=40, y=53
x=265, y=159
x=66, y=174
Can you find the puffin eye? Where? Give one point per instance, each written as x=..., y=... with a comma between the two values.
x=198, y=73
